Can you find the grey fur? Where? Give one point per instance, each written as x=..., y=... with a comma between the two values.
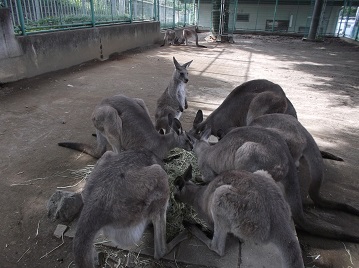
x=123, y=194
x=302, y=145
x=256, y=148
x=246, y=102
x=124, y=123
x=173, y=100
x=250, y=206
x=169, y=37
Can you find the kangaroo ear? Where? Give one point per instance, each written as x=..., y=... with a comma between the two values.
x=187, y=64
x=170, y=119
x=161, y=131
x=188, y=173
x=177, y=65
x=176, y=126
x=199, y=118
x=179, y=182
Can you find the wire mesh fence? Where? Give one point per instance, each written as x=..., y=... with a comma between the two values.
x=30, y=16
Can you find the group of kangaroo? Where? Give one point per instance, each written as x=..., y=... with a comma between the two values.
x=251, y=184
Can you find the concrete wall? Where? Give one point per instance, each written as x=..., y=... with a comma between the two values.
x=27, y=56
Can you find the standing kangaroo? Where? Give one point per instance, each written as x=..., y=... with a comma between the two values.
x=301, y=144
x=124, y=123
x=173, y=101
x=248, y=205
x=256, y=148
x=246, y=102
x=123, y=194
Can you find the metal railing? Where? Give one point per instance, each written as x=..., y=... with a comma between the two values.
x=32, y=16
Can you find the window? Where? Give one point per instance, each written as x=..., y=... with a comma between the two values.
x=243, y=17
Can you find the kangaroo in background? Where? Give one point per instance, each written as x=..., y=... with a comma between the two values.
x=248, y=205
x=301, y=144
x=124, y=123
x=170, y=38
x=246, y=102
x=123, y=194
x=189, y=33
x=173, y=100
x=256, y=148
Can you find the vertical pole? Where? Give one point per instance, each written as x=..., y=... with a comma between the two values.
x=21, y=17
x=174, y=14
x=185, y=14
x=255, y=26
x=235, y=15
x=154, y=10
x=275, y=14
x=197, y=12
x=315, y=19
x=131, y=10
x=93, y=23
x=341, y=19
x=348, y=14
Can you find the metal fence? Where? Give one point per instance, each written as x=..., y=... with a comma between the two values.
x=32, y=16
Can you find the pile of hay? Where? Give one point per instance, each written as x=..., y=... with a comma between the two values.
x=176, y=164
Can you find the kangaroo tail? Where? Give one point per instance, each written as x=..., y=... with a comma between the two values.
x=85, y=148
x=330, y=156
x=197, y=42
x=322, y=227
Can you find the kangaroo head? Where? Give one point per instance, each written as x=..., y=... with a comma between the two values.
x=182, y=185
x=184, y=141
x=181, y=72
x=202, y=143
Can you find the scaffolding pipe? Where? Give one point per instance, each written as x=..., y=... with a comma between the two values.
x=315, y=19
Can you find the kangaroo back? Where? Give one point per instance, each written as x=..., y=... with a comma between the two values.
x=173, y=100
x=122, y=195
x=243, y=104
x=169, y=37
x=125, y=124
x=189, y=33
x=250, y=206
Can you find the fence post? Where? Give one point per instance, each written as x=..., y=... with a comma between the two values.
x=275, y=14
x=185, y=14
x=21, y=17
x=93, y=23
x=131, y=10
x=174, y=14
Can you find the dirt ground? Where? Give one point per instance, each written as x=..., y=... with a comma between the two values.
x=321, y=79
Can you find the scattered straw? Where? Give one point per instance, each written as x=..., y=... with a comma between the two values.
x=23, y=254
x=348, y=251
x=47, y=253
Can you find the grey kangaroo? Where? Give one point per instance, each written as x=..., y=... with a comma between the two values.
x=123, y=194
x=173, y=100
x=301, y=144
x=246, y=102
x=249, y=205
x=189, y=33
x=170, y=38
x=256, y=148
x=124, y=123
